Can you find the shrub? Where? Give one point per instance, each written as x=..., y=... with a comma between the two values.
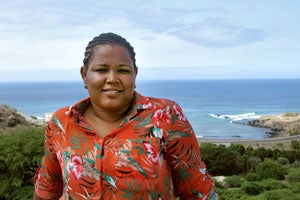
x=279, y=194
x=294, y=132
x=252, y=162
x=296, y=164
x=232, y=194
x=292, y=155
x=271, y=184
x=221, y=160
x=239, y=148
x=251, y=176
x=270, y=169
x=251, y=188
x=291, y=114
x=294, y=175
x=295, y=144
x=295, y=188
x=283, y=160
x=20, y=155
x=263, y=153
x=233, y=181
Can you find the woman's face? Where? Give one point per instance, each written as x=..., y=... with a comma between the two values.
x=110, y=77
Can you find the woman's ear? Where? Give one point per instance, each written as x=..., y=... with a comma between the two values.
x=83, y=71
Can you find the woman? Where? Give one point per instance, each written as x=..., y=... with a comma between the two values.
x=118, y=144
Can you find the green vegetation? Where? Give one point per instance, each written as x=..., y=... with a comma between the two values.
x=261, y=173
x=294, y=132
x=251, y=174
x=20, y=155
x=291, y=114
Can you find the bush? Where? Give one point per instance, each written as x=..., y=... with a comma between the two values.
x=233, y=181
x=294, y=132
x=270, y=169
x=221, y=160
x=252, y=162
x=283, y=160
x=251, y=176
x=263, y=153
x=296, y=164
x=251, y=188
x=294, y=175
x=239, y=148
x=20, y=155
x=291, y=114
x=295, y=144
x=232, y=194
x=295, y=188
x=280, y=194
x=271, y=184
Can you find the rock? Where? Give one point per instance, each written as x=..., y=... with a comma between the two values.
x=10, y=118
x=280, y=125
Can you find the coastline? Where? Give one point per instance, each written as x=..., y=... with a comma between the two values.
x=283, y=128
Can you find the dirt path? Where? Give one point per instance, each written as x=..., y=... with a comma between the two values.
x=279, y=142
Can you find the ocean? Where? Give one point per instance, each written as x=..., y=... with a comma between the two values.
x=215, y=108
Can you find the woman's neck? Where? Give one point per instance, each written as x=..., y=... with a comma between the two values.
x=107, y=116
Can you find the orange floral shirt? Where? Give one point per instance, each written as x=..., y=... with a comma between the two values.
x=154, y=154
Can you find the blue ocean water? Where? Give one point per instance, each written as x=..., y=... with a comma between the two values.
x=215, y=108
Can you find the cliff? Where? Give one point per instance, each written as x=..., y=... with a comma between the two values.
x=284, y=125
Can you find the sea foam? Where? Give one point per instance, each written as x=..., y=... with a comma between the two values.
x=237, y=117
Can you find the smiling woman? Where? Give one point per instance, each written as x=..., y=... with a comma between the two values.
x=110, y=79
x=118, y=144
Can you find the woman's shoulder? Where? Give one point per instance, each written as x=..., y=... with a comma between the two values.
x=162, y=102
x=74, y=109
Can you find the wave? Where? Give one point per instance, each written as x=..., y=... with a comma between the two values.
x=237, y=117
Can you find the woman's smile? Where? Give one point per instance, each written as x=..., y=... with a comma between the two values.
x=111, y=92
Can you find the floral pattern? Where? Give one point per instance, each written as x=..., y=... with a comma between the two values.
x=154, y=154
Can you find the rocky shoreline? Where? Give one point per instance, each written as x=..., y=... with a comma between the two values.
x=10, y=118
x=283, y=125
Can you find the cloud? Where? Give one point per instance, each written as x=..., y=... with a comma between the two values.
x=52, y=20
x=191, y=26
x=213, y=33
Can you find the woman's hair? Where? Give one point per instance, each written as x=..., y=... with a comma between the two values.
x=108, y=38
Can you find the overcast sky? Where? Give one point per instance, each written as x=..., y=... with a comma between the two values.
x=44, y=40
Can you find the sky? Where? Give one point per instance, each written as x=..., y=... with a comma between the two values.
x=44, y=40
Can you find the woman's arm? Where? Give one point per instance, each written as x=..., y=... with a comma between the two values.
x=48, y=178
x=190, y=178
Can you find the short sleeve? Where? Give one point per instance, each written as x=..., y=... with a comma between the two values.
x=190, y=178
x=48, y=181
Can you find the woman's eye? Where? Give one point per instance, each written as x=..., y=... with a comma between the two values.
x=124, y=71
x=101, y=70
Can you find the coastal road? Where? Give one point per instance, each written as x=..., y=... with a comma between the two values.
x=227, y=142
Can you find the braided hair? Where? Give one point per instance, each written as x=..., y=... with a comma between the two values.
x=108, y=38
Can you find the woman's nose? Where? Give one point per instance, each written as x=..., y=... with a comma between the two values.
x=112, y=76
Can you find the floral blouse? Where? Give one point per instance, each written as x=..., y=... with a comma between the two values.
x=154, y=154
